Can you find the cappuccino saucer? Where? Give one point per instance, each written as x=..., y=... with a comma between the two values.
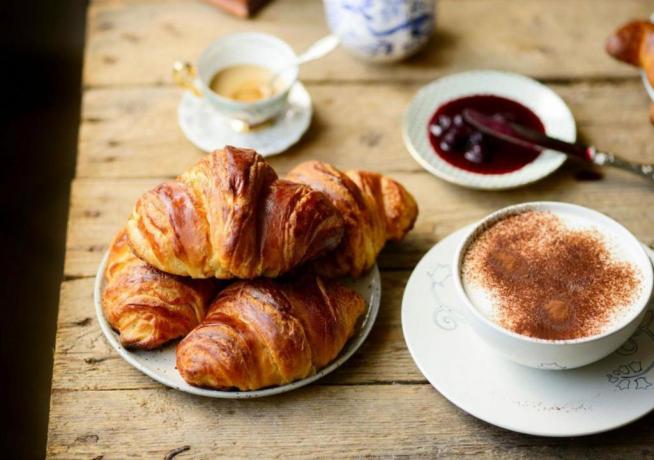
x=208, y=130
x=546, y=402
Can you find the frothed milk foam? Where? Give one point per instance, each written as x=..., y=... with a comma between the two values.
x=490, y=283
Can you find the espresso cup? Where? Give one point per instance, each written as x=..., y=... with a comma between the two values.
x=557, y=354
x=240, y=49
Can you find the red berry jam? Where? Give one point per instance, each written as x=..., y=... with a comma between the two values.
x=463, y=146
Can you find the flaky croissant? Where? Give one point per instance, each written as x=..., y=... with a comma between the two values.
x=375, y=209
x=148, y=307
x=262, y=333
x=229, y=216
x=633, y=43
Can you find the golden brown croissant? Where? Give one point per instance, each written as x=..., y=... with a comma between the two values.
x=375, y=209
x=261, y=333
x=148, y=307
x=229, y=216
x=633, y=43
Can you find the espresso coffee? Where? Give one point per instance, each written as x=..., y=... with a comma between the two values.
x=244, y=83
x=550, y=276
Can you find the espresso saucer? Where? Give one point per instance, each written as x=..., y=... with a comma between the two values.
x=208, y=130
x=541, y=100
x=599, y=397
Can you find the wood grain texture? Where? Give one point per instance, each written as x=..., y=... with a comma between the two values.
x=377, y=404
x=133, y=132
x=136, y=41
x=319, y=421
x=100, y=206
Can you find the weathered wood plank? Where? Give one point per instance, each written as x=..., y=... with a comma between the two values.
x=81, y=348
x=135, y=42
x=100, y=206
x=133, y=132
x=317, y=421
x=129, y=141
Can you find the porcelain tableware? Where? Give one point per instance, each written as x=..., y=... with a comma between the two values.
x=541, y=100
x=557, y=354
x=244, y=48
x=601, y=396
x=160, y=364
x=381, y=31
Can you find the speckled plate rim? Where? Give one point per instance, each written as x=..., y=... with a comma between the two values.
x=268, y=141
x=549, y=106
x=452, y=318
x=648, y=86
x=372, y=279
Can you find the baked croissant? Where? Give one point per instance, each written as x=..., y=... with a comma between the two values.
x=147, y=307
x=229, y=216
x=262, y=333
x=375, y=209
x=633, y=43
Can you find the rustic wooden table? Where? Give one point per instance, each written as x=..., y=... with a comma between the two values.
x=378, y=403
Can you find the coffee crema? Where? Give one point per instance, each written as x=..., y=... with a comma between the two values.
x=543, y=277
x=244, y=83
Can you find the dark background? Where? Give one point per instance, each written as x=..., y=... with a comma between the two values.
x=42, y=44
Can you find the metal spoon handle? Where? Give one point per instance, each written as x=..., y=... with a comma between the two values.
x=319, y=49
x=608, y=159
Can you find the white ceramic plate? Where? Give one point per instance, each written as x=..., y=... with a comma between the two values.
x=648, y=87
x=208, y=130
x=602, y=396
x=160, y=364
x=540, y=99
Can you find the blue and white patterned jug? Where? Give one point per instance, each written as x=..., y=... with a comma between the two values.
x=381, y=30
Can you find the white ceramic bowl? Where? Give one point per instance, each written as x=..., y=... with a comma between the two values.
x=558, y=354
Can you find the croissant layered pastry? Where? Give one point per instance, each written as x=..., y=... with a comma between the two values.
x=633, y=43
x=262, y=333
x=230, y=216
x=148, y=307
x=375, y=209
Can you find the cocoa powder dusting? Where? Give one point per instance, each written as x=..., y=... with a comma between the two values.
x=549, y=281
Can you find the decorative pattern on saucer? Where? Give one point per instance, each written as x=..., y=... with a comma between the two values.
x=160, y=364
x=446, y=314
x=381, y=31
x=545, y=103
x=633, y=375
x=599, y=397
x=208, y=130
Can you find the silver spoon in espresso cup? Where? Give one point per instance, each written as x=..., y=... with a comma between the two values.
x=319, y=49
x=257, y=100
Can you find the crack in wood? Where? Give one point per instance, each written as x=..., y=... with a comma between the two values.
x=324, y=384
x=550, y=80
x=83, y=322
x=88, y=438
x=95, y=360
x=175, y=452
